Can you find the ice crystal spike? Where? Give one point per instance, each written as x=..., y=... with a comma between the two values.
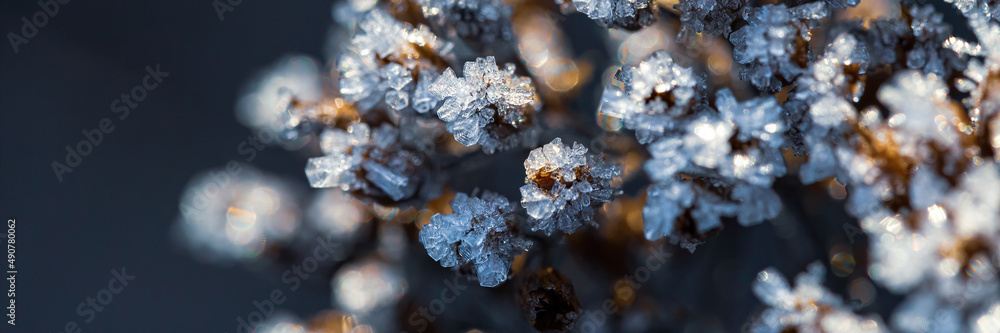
x=388, y=63
x=372, y=162
x=647, y=96
x=564, y=185
x=488, y=106
x=483, y=21
x=774, y=45
x=481, y=233
x=808, y=307
x=624, y=14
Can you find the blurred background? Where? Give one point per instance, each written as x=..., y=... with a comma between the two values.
x=117, y=208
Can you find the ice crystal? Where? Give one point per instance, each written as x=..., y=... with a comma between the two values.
x=488, y=106
x=808, y=307
x=774, y=45
x=391, y=63
x=564, y=185
x=481, y=232
x=372, y=162
x=484, y=21
x=624, y=14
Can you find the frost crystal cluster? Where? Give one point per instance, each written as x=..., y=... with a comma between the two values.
x=481, y=232
x=623, y=14
x=774, y=45
x=488, y=106
x=647, y=97
x=370, y=161
x=808, y=307
x=713, y=17
x=392, y=63
x=882, y=120
x=483, y=21
x=708, y=161
x=563, y=185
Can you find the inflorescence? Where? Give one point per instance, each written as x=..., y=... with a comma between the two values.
x=892, y=106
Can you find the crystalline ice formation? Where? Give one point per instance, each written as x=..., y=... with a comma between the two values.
x=232, y=213
x=481, y=232
x=713, y=17
x=564, y=185
x=483, y=21
x=624, y=14
x=648, y=97
x=981, y=75
x=371, y=162
x=913, y=40
x=774, y=45
x=808, y=307
x=719, y=164
x=391, y=62
x=488, y=106
x=821, y=106
x=957, y=233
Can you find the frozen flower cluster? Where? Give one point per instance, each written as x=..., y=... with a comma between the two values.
x=563, y=185
x=481, y=232
x=774, y=45
x=647, y=97
x=369, y=161
x=890, y=107
x=391, y=63
x=708, y=161
x=488, y=106
x=808, y=307
x=919, y=181
x=622, y=14
x=720, y=164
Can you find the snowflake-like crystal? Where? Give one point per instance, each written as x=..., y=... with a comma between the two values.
x=564, y=185
x=488, y=106
x=481, y=232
